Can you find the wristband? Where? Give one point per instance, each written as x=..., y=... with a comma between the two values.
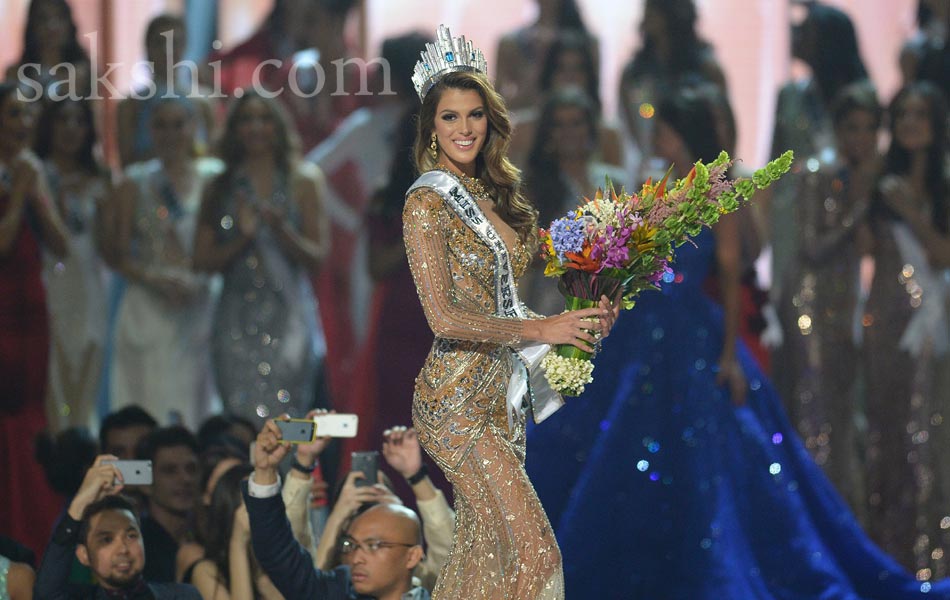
x=421, y=474
x=295, y=464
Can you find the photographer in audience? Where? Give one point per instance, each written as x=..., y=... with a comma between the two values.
x=102, y=530
x=381, y=547
x=402, y=452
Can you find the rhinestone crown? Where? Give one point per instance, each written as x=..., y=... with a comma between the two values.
x=446, y=55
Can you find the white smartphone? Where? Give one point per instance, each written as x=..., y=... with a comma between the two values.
x=336, y=425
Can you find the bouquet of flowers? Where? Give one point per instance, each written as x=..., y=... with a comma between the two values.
x=620, y=245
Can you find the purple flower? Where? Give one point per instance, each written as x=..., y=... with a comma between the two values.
x=610, y=248
x=567, y=235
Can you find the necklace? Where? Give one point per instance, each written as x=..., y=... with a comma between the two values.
x=472, y=184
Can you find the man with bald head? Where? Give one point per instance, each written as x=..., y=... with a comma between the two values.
x=380, y=548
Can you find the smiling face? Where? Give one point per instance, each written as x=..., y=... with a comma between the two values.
x=70, y=129
x=571, y=134
x=113, y=549
x=17, y=119
x=256, y=128
x=461, y=128
x=52, y=27
x=912, y=123
x=571, y=70
x=857, y=136
x=173, y=129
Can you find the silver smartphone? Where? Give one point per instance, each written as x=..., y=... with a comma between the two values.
x=134, y=472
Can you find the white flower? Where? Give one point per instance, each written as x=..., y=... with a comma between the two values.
x=605, y=211
x=567, y=375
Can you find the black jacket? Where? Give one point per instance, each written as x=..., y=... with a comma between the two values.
x=52, y=580
x=285, y=561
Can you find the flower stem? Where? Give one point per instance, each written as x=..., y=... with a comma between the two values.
x=567, y=350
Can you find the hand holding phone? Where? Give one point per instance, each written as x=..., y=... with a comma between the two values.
x=304, y=431
x=101, y=480
x=368, y=463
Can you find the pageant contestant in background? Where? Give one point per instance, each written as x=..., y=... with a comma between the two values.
x=467, y=197
x=825, y=40
x=28, y=225
x=262, y=226
x=164, y=321
x=66, y=142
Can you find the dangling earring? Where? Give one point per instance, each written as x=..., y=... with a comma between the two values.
x=434, y=148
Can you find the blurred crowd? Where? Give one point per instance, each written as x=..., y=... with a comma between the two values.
x=218, y=263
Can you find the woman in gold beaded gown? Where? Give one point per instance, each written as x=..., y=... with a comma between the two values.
x=468, y=231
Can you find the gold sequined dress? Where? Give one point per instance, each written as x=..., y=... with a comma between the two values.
x=504, y=545
x=819, y=358
x=908, y=405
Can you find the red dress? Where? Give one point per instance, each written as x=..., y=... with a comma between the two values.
x=27, y=505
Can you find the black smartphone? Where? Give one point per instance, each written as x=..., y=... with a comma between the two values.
x=368, y=463
x=296, y=431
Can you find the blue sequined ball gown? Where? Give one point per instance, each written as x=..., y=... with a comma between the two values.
x=660, y=489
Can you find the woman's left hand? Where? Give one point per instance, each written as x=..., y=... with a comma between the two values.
x=899, y=196
x=241, y=528
x=731, y=375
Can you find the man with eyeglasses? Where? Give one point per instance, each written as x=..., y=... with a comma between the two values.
x=380, y=548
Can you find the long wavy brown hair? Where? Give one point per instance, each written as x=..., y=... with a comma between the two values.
x=501, y=178
x=231, y=149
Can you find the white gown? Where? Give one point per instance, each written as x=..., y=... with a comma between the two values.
x=76, y=299
x=162, y=353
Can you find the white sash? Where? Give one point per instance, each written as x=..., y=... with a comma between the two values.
x=928, y=325
x=527, y=376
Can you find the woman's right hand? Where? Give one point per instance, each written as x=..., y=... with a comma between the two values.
x=575, y=327
x=248, y=220
x=101, y=480
x=24, y=174
x=175, y=290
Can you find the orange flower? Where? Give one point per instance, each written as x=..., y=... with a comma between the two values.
x=581, y=261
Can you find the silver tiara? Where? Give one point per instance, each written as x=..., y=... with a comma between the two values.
x=447, y=55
